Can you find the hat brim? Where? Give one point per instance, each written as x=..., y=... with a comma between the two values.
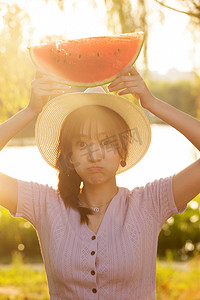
x=51, y=118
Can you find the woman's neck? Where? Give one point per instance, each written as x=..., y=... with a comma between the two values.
x=98, y=195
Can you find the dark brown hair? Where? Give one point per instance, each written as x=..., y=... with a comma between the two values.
x=69, y=181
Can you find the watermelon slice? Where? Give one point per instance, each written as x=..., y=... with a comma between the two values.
x=88, y=61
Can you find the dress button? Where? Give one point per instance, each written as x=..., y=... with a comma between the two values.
x=93, y=253
x=94, y=291
x=93, y=272
x=93, y=237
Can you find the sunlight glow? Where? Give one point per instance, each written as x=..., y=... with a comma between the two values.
x=194, y=204
x=170, y=44
x=21, y=247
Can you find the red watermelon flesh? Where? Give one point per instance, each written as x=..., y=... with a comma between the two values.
x=88, y=61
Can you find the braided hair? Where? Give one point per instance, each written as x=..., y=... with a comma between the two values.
x=69, y=189
x=69, y=183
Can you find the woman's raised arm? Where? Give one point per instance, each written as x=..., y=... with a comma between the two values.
x=186, y=184
x=43, y=86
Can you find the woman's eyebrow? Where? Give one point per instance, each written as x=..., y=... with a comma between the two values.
x=103, y=134
x=83, y=135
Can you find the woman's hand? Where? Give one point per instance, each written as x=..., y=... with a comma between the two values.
x=129, y=81
x=43, y=87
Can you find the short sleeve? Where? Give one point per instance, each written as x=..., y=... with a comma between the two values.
x=157, y=198
x=33, y=201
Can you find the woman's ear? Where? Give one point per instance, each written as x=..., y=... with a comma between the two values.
x=61, y=165
x=65, y=163
x=69, y=161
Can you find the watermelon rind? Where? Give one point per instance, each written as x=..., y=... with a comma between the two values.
x=88, y=84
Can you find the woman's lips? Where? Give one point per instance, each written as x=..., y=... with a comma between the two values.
x=95, y=169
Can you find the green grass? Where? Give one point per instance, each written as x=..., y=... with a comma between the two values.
x=178, y=281
x=23, y=282
x=175, y=281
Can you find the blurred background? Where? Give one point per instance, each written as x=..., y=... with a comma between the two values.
x=170, y=64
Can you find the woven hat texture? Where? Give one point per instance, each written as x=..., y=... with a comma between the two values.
x=50, y=120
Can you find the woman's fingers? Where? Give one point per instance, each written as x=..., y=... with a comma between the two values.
x=122, y=82
x=128, y=74
x=39, y=73
x=43, y=87
x=48, y=85
x=47, y=93
x=129, y=91
x=128, y=81
x=128, y=70
x=50, y=90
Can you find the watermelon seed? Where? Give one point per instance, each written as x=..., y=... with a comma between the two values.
x=98, y=54
x=79, y=56
x=118, y=50
x=59, y=51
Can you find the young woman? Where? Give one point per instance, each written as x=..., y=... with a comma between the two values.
x=98, y=240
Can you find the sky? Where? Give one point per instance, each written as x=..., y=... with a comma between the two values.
x=170, y=44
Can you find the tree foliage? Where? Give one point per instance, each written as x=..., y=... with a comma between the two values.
x=180, y=234
x=189, y=7
x=16, y=70
x=15, y=232
x=124, y=17
x=184, y=95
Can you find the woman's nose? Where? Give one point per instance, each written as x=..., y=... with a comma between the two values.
x=95, y=152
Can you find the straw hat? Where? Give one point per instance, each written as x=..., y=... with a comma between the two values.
x=50, y=120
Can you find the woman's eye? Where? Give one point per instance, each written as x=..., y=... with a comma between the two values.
x=106, y=143
x=81, y=144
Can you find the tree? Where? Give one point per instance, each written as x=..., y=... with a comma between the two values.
x=124, y=17
x=16, y=71
x=190, y=8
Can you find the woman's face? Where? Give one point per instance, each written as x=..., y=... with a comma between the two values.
x=95, y=155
